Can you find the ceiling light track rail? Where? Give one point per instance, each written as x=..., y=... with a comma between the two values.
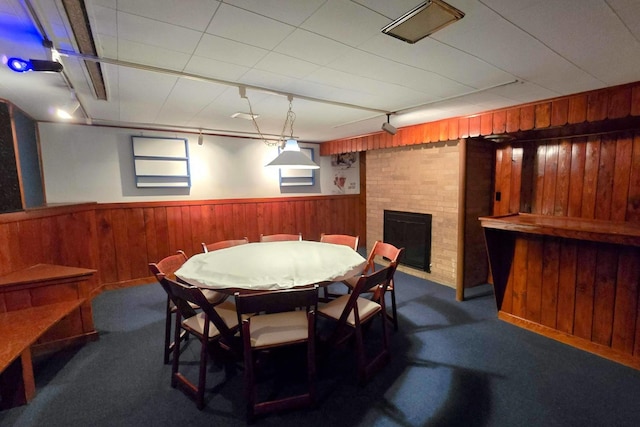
x=197, y=77
x=151, y=127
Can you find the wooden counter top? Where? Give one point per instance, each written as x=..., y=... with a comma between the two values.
x=43, y=272
x=622, y=233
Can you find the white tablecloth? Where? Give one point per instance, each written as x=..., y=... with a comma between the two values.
x=272, y=265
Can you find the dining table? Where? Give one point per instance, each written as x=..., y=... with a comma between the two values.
x=264, y=266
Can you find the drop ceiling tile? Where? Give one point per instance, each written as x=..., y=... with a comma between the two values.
x=390, y=9
x=282, y=64
x=324, y=49
x=104, y=22
x=434, y=56
x=106, y=46
x=112, y=4
x=214, y=47
x=154, y=33
x=255, y=30
x=145, y=86
x=381, y=69
x=157, y=56
x=187, y=99
x=267, y=79
x=592, y=33
x=292, y=12
x=215, y=69
x=345, y=21
x=629, y=12
x=196, y=14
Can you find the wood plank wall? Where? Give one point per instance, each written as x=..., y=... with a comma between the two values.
x=119, y=240
x=132, y=235
x=589, y=292
x=595, y=177
x=605, y=104
x=59, y=235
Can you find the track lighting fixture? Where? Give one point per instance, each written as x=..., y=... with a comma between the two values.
x=388, y=127
x=20, y=65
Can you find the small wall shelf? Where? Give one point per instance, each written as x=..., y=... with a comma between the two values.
x=161, y=162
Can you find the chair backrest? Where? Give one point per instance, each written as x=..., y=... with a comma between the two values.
x=341, y=239
x=379, y=279
x=185, y=297
x=167, y=266
x=276, y=301
x=386, y=251
x=223, y=244
x=280, y=237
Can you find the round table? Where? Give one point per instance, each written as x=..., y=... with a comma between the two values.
x=271, y=265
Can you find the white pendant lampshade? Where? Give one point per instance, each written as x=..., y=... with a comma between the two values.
x=292, y=158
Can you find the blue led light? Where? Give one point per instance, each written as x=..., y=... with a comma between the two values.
x=19, y=65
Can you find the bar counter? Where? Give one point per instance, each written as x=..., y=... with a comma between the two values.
x=571, y=279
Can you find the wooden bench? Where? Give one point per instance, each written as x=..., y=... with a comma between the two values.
x=19, y=330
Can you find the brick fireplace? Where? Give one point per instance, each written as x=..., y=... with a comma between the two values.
x=419, y=179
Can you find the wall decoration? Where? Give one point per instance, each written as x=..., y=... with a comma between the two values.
x=161, y=162
x=345, y=173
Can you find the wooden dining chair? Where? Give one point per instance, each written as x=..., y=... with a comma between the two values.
x=213, y=326
x=341, y=239
x=337, y=239
x=388, y=253
x=223, y=244
x=280, y=237
x=280, y=318
x=351, y=312
x=167, y=267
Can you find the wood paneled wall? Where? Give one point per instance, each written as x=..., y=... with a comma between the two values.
x=119, y=240
x=63, y=235
x=584, y=293
x=130, y=236
x=595, y=177
x=617, y=102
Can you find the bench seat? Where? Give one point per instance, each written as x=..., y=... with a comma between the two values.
x=19, y=330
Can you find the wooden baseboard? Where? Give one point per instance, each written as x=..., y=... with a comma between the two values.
x=581, y=343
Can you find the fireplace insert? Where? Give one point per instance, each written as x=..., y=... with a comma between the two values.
x=412, y=231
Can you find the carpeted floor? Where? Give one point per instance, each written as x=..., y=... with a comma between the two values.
x=453, y=364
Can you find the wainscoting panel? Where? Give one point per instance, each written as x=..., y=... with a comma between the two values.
x=131, y=235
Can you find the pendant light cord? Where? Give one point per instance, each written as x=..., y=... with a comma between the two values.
x=288, y=122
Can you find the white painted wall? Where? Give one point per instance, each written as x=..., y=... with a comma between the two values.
x=95, y=164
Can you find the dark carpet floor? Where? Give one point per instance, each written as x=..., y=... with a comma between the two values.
x=453, y=364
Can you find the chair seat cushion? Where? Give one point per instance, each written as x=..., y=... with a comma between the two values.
x=334, y=309
x=278, y=328
x=226, y=310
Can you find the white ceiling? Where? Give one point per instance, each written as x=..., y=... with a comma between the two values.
x=503, y=52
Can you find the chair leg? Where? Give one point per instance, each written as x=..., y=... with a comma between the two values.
x=167, y=333
x=202, y=377
x=249, y=391
x=176, y=352
x=394, y=312
x=360, y=355
x=311, y=361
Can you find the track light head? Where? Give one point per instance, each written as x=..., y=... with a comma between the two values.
x=388, y=127
x=20, y=65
